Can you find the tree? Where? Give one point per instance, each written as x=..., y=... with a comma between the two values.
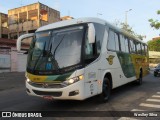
x=155, y=23
x=153, y=45
x=128, y=29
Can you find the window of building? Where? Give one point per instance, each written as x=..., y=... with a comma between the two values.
x=33, y=14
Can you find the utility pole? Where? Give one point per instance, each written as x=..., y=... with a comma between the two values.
x=126, y=13
x=0, y=25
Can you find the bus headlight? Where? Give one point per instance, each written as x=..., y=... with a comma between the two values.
x=73, y=80
x=28, y=80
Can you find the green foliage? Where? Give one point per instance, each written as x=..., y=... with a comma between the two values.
x=129, y=29
x=155, y=23
x=154, y=45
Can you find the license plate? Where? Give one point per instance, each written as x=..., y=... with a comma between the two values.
x=48, y=97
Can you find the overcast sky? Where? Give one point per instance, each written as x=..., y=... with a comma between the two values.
x=110, y=10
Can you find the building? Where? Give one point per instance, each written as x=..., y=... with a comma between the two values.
x=66, y=18
x=154, y=58
x=10, y=60
x=3, y=25
x=156, y=38
x=27, y=19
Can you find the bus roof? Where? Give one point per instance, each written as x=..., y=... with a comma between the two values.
x=85, y=20
x=70, y=22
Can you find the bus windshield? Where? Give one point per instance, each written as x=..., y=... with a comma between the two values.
x=55, y=49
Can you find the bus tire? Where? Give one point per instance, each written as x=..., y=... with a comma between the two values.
x=106, y=91
x=140, y=80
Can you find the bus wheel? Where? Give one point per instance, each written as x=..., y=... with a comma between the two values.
x=140, y=78
x=106, y=90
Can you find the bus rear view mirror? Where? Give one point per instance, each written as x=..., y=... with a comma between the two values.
x=25, y=39
x=91, y=33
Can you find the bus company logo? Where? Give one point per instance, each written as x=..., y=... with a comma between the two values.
x=6, y=114
x=45, y=85
x=110, y=59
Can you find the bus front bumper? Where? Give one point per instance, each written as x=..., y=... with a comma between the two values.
x=74, y=91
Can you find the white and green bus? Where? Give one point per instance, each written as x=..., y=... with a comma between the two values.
x=80, y=58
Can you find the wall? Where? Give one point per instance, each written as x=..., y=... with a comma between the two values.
x=22, y=61
x=29, y=18
x=5, y=64
x=154, y=58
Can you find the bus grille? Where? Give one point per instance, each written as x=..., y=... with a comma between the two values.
x=47, y=85
x=55, y=94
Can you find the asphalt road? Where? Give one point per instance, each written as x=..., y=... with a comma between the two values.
x=129, y=97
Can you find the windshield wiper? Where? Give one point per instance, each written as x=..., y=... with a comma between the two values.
x=42, y=52
x=53, y=55
x=50, y=55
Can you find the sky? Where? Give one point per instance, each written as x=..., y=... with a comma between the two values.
x=109, y=10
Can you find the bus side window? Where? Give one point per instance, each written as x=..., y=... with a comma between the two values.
x=143, y=49
x=99, y=36
x=88, y=49
x=146, y=50
x=111, y=41
x=124, y=45
x=116, y=41
x=132, y=46
x=138, y=46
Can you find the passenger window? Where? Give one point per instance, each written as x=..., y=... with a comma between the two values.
x=138, y=46
x=146, y=49
x=111, y=41
x=116, y=41
x=124, y=44
x=99, y=36
x=132, y=46
x=88, y=49
x=122, y=40
x=143, y=49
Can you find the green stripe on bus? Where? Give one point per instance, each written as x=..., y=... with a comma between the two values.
x=126, y=64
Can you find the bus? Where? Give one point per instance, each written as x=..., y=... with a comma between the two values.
x=80, y=58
